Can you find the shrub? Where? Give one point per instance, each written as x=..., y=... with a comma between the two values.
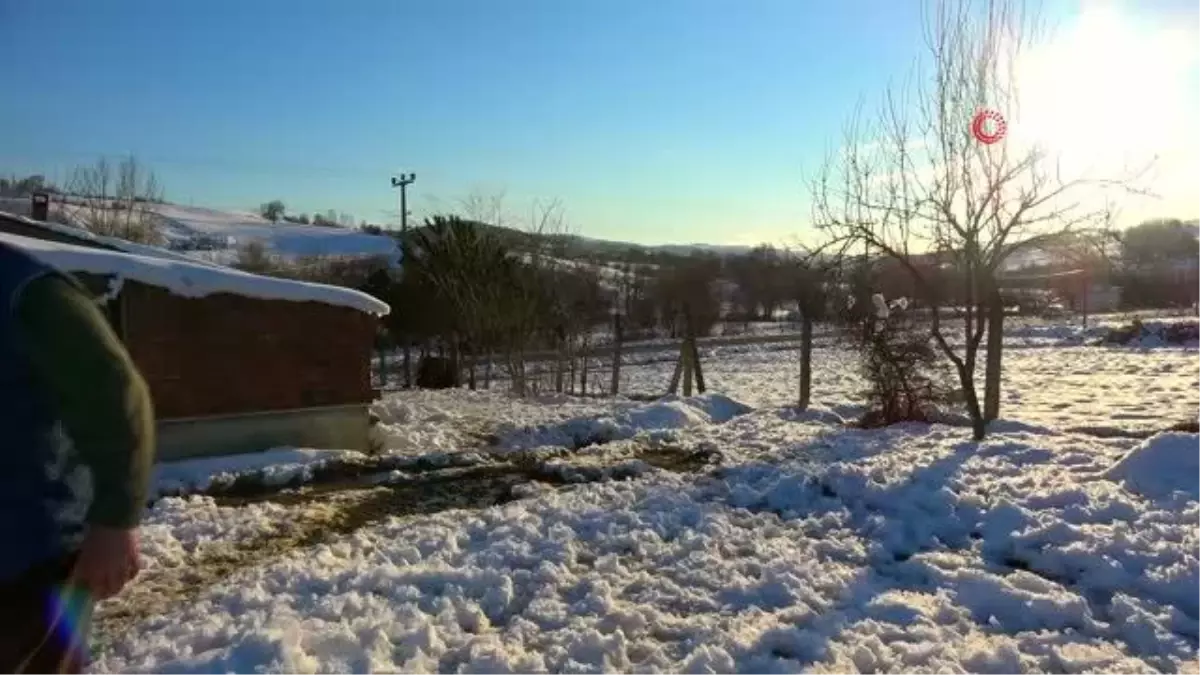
x=906, y=378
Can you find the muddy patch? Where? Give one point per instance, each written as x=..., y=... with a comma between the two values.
x=342, y=503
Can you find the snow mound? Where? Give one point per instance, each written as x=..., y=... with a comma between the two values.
x=661, y=417
x=274, y=467
x=1055, y=334
x=1164, y=464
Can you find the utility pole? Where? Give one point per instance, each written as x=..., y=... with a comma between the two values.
x=402, y=182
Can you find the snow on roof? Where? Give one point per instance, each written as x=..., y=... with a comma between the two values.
x=188, y=278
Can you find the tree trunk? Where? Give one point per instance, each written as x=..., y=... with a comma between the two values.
x=806, y=330
x=978, y=424
x=992, y=369
x=487, y=371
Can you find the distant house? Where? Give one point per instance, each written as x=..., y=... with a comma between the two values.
x=235, y=362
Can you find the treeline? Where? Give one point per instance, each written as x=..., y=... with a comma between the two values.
x=479, y=294
x=276, y=212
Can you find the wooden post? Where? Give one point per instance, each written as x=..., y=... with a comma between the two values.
x=616, y=356
x=383, y=369
x=560, y=359
x=674, y=386
x=583, y=370
x=571, y=360
x=686, y=357
x=806, y=330
x=692, y=365
x=696, y=365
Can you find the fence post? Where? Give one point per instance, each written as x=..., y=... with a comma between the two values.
x=616, y=356
x=674, y=386
x=686, y=356
x=381, y=348
x=583, y=369
x=806, y=331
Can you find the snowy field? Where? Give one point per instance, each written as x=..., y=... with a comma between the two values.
x=1058, y=387
x=719, y=533
x=182, y=225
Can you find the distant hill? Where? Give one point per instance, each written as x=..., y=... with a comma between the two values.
x=578, y=246
x=218, y=236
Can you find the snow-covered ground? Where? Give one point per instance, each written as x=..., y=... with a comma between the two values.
x=795, y=544
x=229, y=231
x=1060, y=387
x=812, y=547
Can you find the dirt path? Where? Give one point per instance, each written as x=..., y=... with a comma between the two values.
x=337, y=507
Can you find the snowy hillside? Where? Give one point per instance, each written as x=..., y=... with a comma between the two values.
x=188, y=227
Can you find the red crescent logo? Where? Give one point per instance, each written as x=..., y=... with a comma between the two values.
x=980, y=123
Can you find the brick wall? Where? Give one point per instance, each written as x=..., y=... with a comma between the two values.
x=227, y=354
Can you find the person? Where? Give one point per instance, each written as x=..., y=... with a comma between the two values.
x=76, y=450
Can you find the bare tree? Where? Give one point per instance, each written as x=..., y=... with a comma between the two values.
x=913, y=185
x=114, y=201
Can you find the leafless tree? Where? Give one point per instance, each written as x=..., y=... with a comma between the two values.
x=912, y=184
x=114, y=200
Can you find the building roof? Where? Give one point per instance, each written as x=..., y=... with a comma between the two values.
x=181, y=275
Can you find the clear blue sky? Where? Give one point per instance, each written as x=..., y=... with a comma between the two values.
x=652, y=120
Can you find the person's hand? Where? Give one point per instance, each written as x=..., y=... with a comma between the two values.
x=108, y=559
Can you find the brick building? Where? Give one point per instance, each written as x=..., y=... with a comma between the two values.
x=235, y=362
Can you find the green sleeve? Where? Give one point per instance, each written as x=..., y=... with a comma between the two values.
x=103, y=401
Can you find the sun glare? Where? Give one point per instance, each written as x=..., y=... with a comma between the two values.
x=1111, y=94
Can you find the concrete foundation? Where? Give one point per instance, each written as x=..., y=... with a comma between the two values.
x=336, y=427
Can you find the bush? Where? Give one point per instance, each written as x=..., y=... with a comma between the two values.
x=1152, y=333
x=905, y=374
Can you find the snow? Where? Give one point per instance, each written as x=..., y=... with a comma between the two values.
x=188, y=278
x=1165, y=463
x=1059, y=387
x=110, y=242
x=667, y=415
x=804, y=545
x=188, y=223
x=814, y=547
x=274, y=467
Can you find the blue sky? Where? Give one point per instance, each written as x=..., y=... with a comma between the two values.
x=651, y=120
